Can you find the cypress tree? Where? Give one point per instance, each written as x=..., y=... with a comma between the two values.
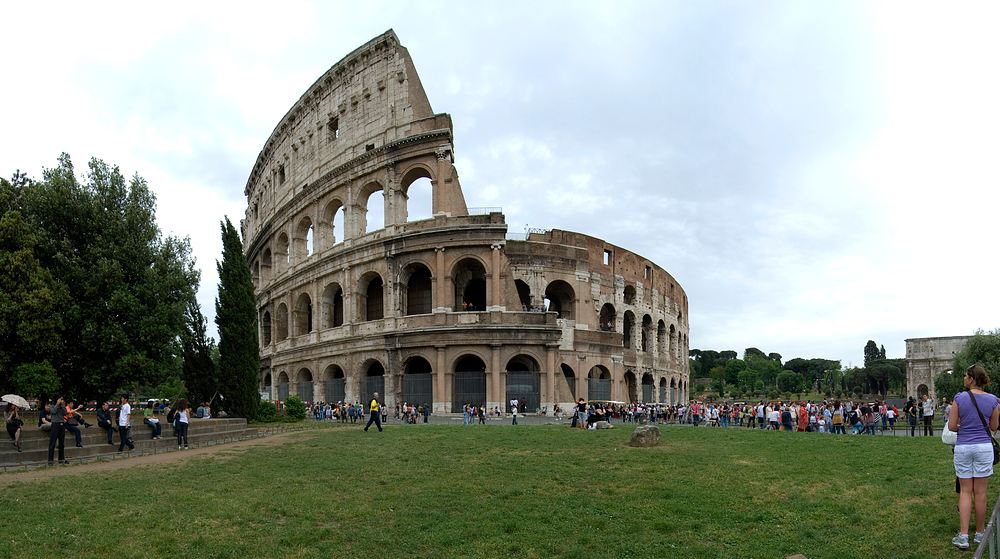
x=236, y=317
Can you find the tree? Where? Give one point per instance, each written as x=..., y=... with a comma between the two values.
x=948, y=384
x=236, y=317
x=774, y=357
x=733, y=369
x=982, y=349
x=199, y=371
x=871, y=352
x=127, y=285
x=30, y=298
x=752, y=351
x=719, y=376
x=790, y=381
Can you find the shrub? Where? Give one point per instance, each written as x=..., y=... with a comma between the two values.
x=295, y=408
x=267, y=412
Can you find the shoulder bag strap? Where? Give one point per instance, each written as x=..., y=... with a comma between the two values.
x=983, y=419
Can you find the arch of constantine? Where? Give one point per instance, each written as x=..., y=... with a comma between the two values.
x=355, y=295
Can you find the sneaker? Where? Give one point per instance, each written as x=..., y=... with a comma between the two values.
x=185, y=447
x=961, y=541
x=179, y=447
x=977, y=539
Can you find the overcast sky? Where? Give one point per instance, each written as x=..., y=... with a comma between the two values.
x=813, y=174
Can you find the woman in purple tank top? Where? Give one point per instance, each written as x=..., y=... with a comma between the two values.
x=973, y=450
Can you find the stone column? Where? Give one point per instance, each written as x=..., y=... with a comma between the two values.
x=493, y=288
x=440, y=283
x=440, y=402
x=550, y=376
x=493, y=391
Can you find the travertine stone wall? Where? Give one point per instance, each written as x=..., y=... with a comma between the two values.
x=416, y=306
x=928, y=357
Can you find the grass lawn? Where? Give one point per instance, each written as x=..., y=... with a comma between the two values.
x=503, y=491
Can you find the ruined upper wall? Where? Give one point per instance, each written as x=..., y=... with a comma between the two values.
x=372, y=97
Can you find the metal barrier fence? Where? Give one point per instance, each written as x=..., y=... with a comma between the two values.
x=990, y=540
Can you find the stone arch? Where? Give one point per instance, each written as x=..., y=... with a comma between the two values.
x=647, y=388
x=599, y=383
x=302, y=240
x=367, y=221
x=328, y=231
x=281, y=251
x=334, y=384
x=570, y=377
x=468, y=382
x=265, y=328
x=628, y=328
x=661, y=338
x=523, y=382
x=303, y=315
x=304, y=385
x=523, y=294
x=469, y=278
x=416, y=186
x=265, y=265
x=647, y=332
x=673, y=343
x=333, y=306
x=418, y=383
x=255, y=273
x=282, y=386
x=561, y=299
x=281, y=321
x=628, y=295
x=631, y=392
x=608, y=316
x=373, y=296
x=419, y=290
x=663, y=391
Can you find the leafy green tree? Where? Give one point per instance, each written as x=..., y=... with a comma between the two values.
x=733, y=369
x=790, y=381
x=871, y=352
x=774, y=357
x=127, y=285
x=727, y=355
x=949, y=383
x=295, y=408
x=30, y=299
x=982, y=349
x=747, y=379
x=719, y=377
x=753, y=351
x=769, y=373
x=236, y=317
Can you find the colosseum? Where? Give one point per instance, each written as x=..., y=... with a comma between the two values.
x=357, y=295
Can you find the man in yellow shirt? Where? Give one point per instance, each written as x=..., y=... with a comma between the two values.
x=373, y=409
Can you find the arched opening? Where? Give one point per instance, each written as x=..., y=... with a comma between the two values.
x=373, y=381
x=282, y=386
x=281, y=251
x=281, y=321
x=607, y=318
x=374, y=210
x=468, y=383
x=523, y=383
x=628, y=296
x=329, y=228
x=647, y=329
x=333, y=306
x=647, y=388
x=305, y=385
x=372, y=308
x=470, y=285
x=570, y=377
x=303, y=314
x=418, y=384
x=255, y=272
x=630, y=388
x=560, y=298
x=302, y=241
x=923, y=390
x=419, y=194
x=673, y=391
x=628, y=325
x=267, y=388
x=673, y=344
x=599, y=383
x=523, y=294
x=663, y=390
x=265, y=328
x=418, y=291
x=661, y=339
x=265, y=265
x=334, y=385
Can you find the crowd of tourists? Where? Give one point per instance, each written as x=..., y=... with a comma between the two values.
x=342, y=412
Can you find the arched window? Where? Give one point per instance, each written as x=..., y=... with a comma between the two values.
x=265, y=328
x=570, y=377
x=302, y=242
x=523, y=294
x=373, y=308
x=661, y=339
x=628, y=325
x=329, y=229
x=418, y=386
x=265, y=265
x=468, y=383
x=647, y=388
x=281, y=321
x=305, y=385
x=561, y=299
x=333, y=384
x=419, y=194
x=607, y=318
x=599, y=383
x=373, y=381
x=629, y=295
x=375, y=212
x=631, y=396
x=470, y=285
x=418, y=291
x=303, y=315
x=647, y=331
x=523, y=382
x=333, y=306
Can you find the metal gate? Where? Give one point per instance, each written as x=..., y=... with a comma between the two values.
x=335, y=390
x=282, y=392
x=417, y=388
x=672, y=398
x=663, y=393
x=306, y=391
x=524, y=385
x=647, y=393
x=599, y=388
x=371, y=385
x=468, y=388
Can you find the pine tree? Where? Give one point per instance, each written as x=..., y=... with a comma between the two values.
x=236, y=317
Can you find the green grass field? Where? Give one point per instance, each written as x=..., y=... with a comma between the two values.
x=502, y=491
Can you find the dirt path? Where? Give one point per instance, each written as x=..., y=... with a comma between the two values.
x=10, y=478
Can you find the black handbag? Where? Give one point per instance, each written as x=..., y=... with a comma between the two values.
x=996, y=447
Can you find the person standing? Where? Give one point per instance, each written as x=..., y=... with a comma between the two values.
x=973, y=450
x=928, y=416
x=581, y=414
x=910, y=409
x=104, y=421
x=513, y=414
x=124, y=423
x=373, y=407
x=57, y=433
x=182, y=420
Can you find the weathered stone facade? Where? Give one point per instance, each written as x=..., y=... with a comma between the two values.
x=928, y=357
x=444, y=310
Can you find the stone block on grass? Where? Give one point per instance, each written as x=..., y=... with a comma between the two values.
x=647, y=435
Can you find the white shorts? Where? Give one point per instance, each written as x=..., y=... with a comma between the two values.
x=974, y=460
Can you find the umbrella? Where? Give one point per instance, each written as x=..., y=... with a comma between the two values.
x=16, y=400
